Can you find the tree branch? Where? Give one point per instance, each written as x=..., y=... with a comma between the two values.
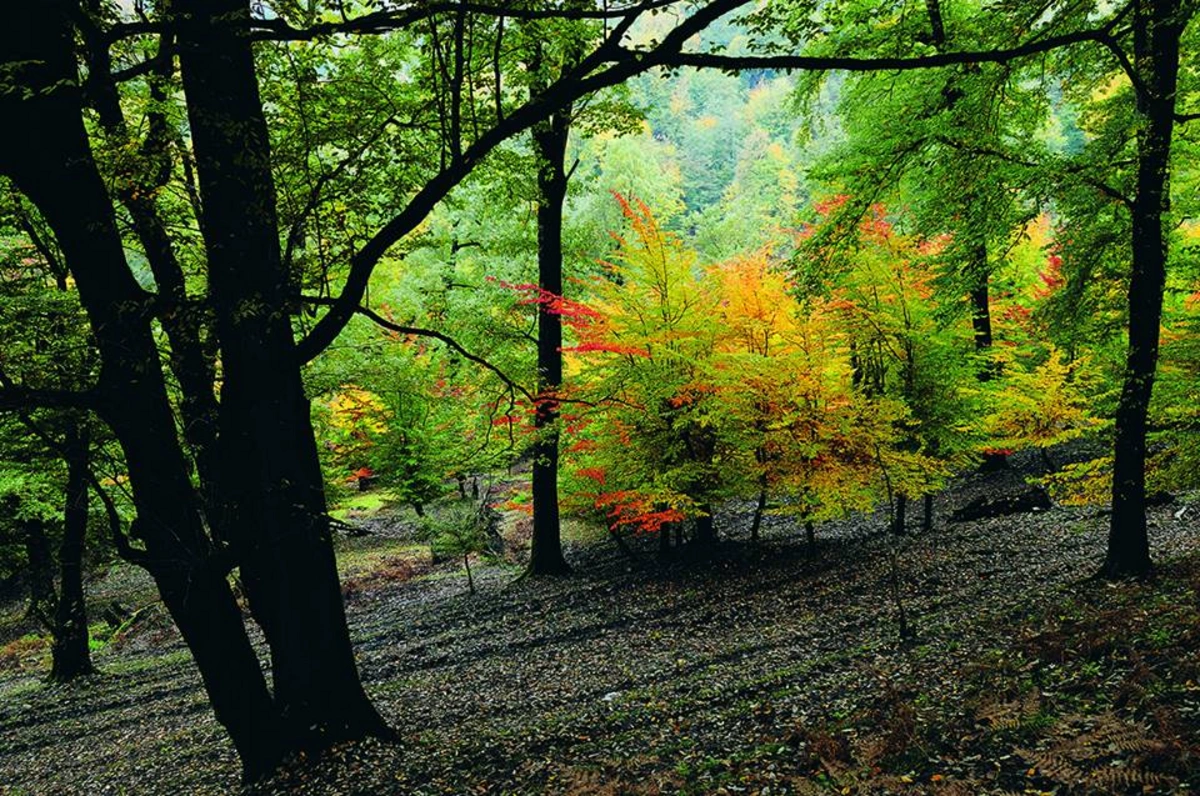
x=581, y=80
x=383, y=322
x=1075, y=172
x=821, y=63
x=14, y=397
x=379, y=22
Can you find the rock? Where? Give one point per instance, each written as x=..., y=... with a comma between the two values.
x=1020, y=501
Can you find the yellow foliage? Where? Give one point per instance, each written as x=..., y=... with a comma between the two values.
x=356, y=410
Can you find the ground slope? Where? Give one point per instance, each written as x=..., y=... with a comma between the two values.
x=761, y=671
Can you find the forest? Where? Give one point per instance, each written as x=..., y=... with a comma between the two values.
x=600, y=396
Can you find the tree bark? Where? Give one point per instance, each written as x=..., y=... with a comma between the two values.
x=271, y=489
x=71, y=657
x=898, y=516
x=550, y=146
x=760, y=506
x=981, y=309
x=1157, y=31
x=48, y=157
x=706, y=535
x=191, y=361
x=40, y=571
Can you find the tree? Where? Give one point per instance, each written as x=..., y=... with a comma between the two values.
x=652, y=447
x=1151, y=65
x=267, y=513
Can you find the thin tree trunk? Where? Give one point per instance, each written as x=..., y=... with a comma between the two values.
x=759, y=508
x=1157, y=31
x=981, y=309
x=40, y=571
x=898, y=516
x=927, y=519
x=71, y=657
x=706, y=535
x=810, y=538
x=550, y=145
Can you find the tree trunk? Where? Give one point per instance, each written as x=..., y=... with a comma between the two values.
x=927, y=519
x=40, y=571
x=272, y=492
x=759, y=507
x=71, y=657
x=706, y=535
x=981, y=310
x=49, y=159
x=191, y=363
x=898, y=516
x=810, y=538
x=981, y=324
x=550, y=145
x=1157, y=31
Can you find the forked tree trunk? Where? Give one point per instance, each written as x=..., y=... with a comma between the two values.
x=1157, y=31
x=49, y=159
x=273, y=509
x=550, y=146
x=137, y=187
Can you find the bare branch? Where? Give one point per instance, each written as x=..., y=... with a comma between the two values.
x=418, y=331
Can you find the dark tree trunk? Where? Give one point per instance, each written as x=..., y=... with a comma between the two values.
x=664, y=540
x=856, y=367
x=49, y=159
x=981, y=323
x=810, y=538
x=550, y=145
x=71, y=657
x=927, y=519
x=1157, y=31
x=191, y=362
x=898, y=515
x=981, y=310
x=759, y=508
x=706, y=535
x=272, y=492
x=40, y=570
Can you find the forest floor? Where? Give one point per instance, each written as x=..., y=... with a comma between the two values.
x=761, y=670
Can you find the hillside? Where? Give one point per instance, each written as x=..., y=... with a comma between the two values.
x=762, y=670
